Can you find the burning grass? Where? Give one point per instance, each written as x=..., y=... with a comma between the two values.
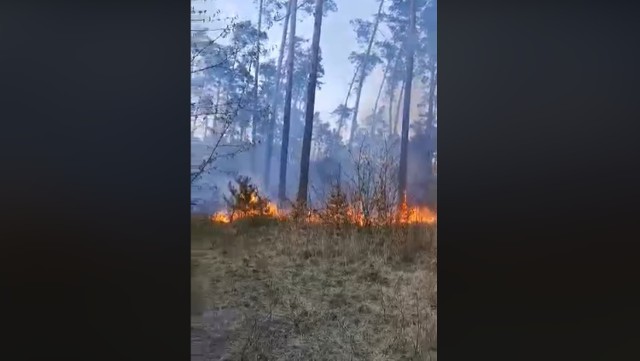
x=318, y=291
x=246, y=202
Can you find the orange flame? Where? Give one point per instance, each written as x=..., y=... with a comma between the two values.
x=270, y=210
x=422, y=215
x=220, y=217
x=405, y=214
x=410, y=215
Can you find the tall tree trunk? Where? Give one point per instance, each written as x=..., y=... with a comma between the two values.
x=275, y=101
x=400, y=98
x=216, y=109
x=303, y=185
x=194, y=123
x=363, y=72
x=406, y=111
x=256, y=112
x=282, y=189
x=392, y=92
x=375, y=105
x=346, y=99
x=435, y=101
x=432, y=92
x=430, y=117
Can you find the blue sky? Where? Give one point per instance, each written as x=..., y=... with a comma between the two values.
x=337, y=41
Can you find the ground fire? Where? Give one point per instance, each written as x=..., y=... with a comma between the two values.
x=245, y=202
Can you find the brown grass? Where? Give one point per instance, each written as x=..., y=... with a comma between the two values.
x=315, y=292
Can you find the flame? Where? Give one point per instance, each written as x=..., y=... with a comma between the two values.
x=220, y=217
x=270, y=210
x=404, y=215
x=411, y=215
x=422, y=215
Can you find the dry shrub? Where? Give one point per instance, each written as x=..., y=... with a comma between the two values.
x=300, y=212
x=245, y=200
x=335, y=212
x=351, y=243
x=373, y=184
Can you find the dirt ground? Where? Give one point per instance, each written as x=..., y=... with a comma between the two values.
x=289, y=292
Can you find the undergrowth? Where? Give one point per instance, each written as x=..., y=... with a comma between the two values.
x=319, y=292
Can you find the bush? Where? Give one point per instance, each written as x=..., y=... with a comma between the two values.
x=246, y=201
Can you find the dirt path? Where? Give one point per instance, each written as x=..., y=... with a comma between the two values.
x=210, y=334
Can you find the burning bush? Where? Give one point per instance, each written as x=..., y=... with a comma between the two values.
x=245, y=201
x=336, y=209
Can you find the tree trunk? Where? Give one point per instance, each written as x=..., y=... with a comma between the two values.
x=392, y=82
x=391, y=110
x=375, y=105
x=430, y=117
x=400, y=97
x=363, y=70
x=194, y=123
x=256, y=111
x=406, y=111
x=346, y=100
x=274, y=101
x=310, y=102
x=432, y=92
x=282, y=189
x=216, y=109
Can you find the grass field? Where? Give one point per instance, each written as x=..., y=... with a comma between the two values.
x=277, y=290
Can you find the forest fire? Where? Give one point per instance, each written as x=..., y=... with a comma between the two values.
x=422, y=215
x=416, y=214
x=220, y=217
x=405, y=215
x=270, y=210
x=246, y=202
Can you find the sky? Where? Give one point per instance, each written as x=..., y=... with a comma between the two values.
x=337, y=41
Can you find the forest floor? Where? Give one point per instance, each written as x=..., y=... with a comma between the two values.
x=284, y=291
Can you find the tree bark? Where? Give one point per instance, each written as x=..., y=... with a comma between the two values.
x=406, y=111
x=303, y=185
x=375, y=105
x=430, y=117
x=256, y=111
x=432, y=92
x=216, y=109
x=392, y=81
x=391, y=112
x=275, y=101
x=365, y=61
x=400, y=98
x=282, y=189
x=346, y=99
x=194, y=123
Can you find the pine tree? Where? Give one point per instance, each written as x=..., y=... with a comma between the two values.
x=311, y=93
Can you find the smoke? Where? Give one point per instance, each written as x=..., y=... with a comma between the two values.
x=421, y=183
x=370, y=90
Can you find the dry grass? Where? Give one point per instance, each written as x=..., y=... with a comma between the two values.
x=315, y=292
